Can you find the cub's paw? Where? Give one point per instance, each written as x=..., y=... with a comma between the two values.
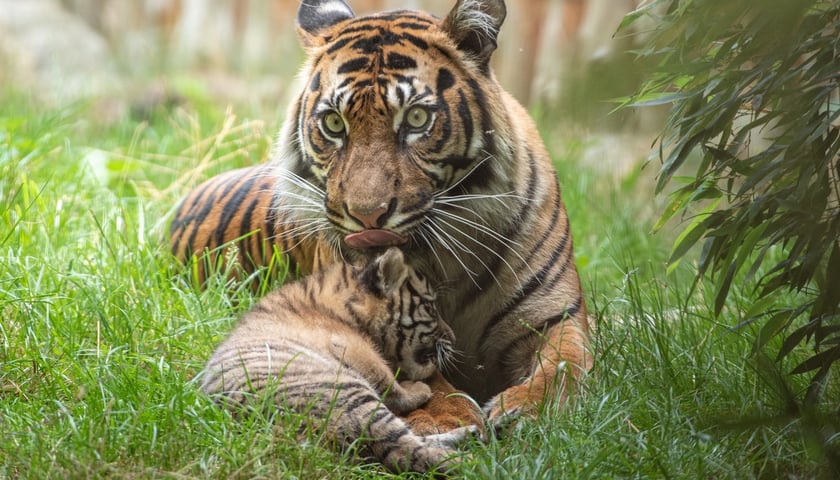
x=428, y=458
x=407, y=395
x=454, y=438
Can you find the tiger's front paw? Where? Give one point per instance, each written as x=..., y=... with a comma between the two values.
x=447, y=410
x=507, y=407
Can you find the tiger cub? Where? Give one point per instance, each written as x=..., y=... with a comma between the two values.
x=330, y=345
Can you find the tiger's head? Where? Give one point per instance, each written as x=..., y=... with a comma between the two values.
x=397, y=122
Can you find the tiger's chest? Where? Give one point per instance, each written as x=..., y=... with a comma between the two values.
x=475, y=312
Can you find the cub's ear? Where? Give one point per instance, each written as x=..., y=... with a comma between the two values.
x=474, y=26
x=315, y=17
x=385, y=274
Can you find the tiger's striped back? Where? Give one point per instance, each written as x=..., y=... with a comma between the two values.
x=232, y=209
x=330, y=345
x=230, y=221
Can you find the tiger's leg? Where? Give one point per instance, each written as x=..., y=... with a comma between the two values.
x=447, y=410
x=560, y=364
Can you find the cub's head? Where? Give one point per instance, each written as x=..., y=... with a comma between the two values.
x=412, y=336
x=397, y=122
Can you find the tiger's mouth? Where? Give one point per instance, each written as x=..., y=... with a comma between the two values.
x=438, y=354
x=373, y=238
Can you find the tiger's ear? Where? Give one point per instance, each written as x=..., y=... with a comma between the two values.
x=474, y=25
x=315, y=17
x=385, y=274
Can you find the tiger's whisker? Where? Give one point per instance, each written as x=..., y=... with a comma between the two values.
x=443, y=242
x=303, y=198
x=483, y=228
x=507, y=243
x=301, y=182
x=472, y=253
x=423, y=235
x=306, y=235
x=494, y=196
x=466, y=175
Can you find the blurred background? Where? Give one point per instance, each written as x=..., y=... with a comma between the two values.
x=561, y=58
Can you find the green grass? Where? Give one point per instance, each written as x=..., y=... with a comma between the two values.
x=101, y=335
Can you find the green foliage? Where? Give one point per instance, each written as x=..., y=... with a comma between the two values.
x=754, y=94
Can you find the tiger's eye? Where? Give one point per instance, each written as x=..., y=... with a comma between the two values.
x=417, y=117
x=333, y=123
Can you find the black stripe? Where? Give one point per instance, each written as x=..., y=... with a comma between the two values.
x=401, y=95
x=232, y=207
x=421, y=25
x=398, y=61
x=315, y=83
x=332, y=213
x=340, y=43
x=401, y=332
x=445, y=80
x=183, y=216
x=397, y=15
x=446, y=54
x=355, y=65
x=464, y=113
x=358, y=322
x=514, y=344
x=431, y=174
x=367, y=44
x=458, y=163
x=361, y=27
x=481, y=177
x=311, y=131
x=291, y=307
x=266, y=225
x=358, y=398
x=363, y=84
x=570, y=312
x=552, y=225
x=260, y=307
x=245, y=228
x=199, y=219
x=416, y=41
x=211, y=187
x=421, y=214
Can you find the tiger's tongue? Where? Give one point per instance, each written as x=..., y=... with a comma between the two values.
x=374, y=238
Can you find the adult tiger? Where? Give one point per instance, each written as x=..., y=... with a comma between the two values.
x=402, y=136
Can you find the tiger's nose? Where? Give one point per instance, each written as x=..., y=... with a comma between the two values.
x=371, y=217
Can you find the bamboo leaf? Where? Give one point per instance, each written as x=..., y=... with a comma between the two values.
x=820, y=360
x=695, y=230
x=773, y=326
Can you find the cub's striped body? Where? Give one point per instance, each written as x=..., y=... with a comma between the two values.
x=330, y=345
x=401, y=136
